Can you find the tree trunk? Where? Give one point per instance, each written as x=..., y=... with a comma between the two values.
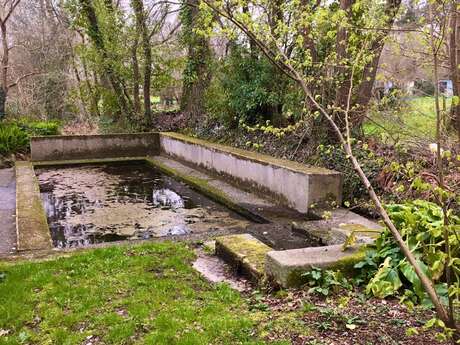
x=108, y=71
x=197, y=74
x=141, y=27
x=136, y=77
x=364, y=89
x=454, y=57
x=4, y=72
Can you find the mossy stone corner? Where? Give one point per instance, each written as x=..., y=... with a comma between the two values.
x=31, y=224
x=245, y=253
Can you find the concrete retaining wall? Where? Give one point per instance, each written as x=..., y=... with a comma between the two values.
x=290, y=183
x=54, y=148
x=295, y=185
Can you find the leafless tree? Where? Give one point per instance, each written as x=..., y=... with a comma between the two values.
x=7, y=8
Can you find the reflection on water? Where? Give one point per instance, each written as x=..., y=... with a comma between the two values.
x=92, y=204
x=168, y=198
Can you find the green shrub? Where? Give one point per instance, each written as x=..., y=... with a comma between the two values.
x=323, y=281
x=421, y=224
x=37, y=128
x=12, y=139
x=14, y=136
x=248, y=88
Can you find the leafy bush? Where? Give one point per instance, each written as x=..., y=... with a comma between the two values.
x=421, y=224
x=248, y=88
x=14, y=136
x=12, y=139
x=39, y=127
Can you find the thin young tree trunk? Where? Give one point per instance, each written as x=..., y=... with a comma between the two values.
x=4, y=72
x=454, y=57
x=136, y=76
x=440, y=168
x=142, y=30
x=426, y=282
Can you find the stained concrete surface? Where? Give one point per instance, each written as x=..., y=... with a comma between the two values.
x=291, y=184
x=7, y=211
x=65, y=147
x=215, y=270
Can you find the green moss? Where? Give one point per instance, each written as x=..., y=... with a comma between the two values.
x=279, y=323
x=205, y=188
x=347, y=263
x=360, y=229
x=248, y=249
x=295, y=278
x=245, y=253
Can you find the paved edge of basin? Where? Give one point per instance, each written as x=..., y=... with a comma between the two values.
x=32, y=228
x=202, y=186
x=285, y=267
x=245, y=253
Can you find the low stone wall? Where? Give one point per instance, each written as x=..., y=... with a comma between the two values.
x=55, y=148
x=292, y=184
x=31, y=224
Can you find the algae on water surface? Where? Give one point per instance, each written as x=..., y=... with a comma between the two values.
x=90, y=204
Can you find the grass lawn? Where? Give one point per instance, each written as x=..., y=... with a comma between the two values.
x=145, y=294
x=150, y=294
x=416, y=119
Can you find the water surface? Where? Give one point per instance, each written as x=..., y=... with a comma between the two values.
x=92, y=204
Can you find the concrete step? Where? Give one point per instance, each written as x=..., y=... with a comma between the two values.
x=286, y=267
x=245, y=253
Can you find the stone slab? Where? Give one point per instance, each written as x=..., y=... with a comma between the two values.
x=287, y=266
x=245, y=253
x=338, y=226
x=32, y=227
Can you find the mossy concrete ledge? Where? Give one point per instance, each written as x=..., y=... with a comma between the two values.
x=286, y=267
x=245, y=253
x=32, y=228
x=289, y=183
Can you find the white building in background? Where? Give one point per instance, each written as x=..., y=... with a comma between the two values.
x=446, y=87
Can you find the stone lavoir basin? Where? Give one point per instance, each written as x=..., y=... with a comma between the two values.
x=100, y=203
x=264, y=213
